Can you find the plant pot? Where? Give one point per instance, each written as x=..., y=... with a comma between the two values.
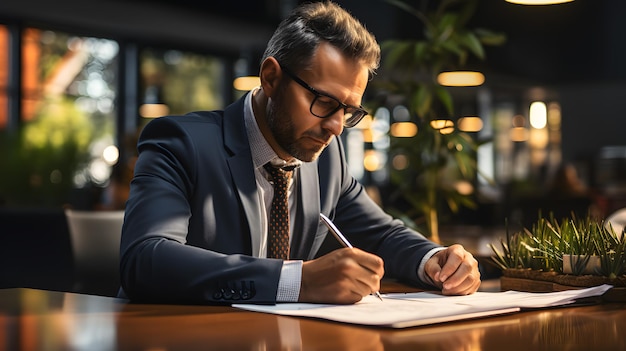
x=591, y=267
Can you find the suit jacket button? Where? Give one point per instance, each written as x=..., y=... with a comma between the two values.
x=245, y=294
x=252, y=290
x=228, y=294
x=236, y=295
x=218, y=295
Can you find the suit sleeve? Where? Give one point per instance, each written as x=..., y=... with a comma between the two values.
x=158, y=260
x=367, y=226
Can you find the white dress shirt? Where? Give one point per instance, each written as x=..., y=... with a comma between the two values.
x=262, y=153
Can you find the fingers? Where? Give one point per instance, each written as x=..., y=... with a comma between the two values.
x=342, y=276
x=468, y=285
x=454, y=270
x=366, y=260
x=363, y=269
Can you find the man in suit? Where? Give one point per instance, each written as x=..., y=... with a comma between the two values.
x=196, y=224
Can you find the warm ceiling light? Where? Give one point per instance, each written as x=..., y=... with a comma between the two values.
x=443, y=126
x=368, y=136
x=538, y=138
x=470, y=124
x=461, y=78
x=246, y=83
x=372, y=161
x=441, y=123
x=464, y=187
x=111, y=154
x=365, y=123
x=554, y=116
x=519, y=134
x=538, y=2
x=400, y=162
x=538, y=115
x=447, y=130
x=403, y=129
x=518, y=121
x=153, y=110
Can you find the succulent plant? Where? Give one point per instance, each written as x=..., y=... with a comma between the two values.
x=544, y=245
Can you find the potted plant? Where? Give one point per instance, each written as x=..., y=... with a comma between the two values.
x=563, y=254
x=439, y=157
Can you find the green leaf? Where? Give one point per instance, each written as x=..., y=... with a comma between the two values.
x=452, y=47
x=488, y=37
x=465, y=165
x=446, y=99
x=470, y=41
x=422, y=101
x=396, y=52
x=446, y=26
x=452, y=204
x=420, y=51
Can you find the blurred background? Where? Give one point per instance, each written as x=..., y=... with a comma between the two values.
x=80, y=79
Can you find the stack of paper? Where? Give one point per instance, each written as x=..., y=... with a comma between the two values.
x=415, y=309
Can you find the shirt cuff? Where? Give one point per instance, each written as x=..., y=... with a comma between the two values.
x=420, y=270
x=289, y=282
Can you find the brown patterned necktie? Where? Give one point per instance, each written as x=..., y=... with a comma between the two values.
x=278, y=229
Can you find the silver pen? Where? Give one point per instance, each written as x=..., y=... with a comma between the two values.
x=342, y=239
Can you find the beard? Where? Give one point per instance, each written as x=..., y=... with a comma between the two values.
x=282, y=127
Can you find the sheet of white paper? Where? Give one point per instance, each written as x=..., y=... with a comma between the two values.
x=413, y=309
x=509, y=298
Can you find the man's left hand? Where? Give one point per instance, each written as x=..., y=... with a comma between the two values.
x=454, y=270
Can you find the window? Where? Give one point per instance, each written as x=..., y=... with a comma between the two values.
x=63, y=148
x=66, y=140
x=177, y=82
x=4, y=76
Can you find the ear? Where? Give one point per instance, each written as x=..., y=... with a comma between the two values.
x=270, y=76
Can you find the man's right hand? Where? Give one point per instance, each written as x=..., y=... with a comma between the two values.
x=343, y=276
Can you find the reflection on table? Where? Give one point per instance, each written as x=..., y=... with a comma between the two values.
x=46, y=320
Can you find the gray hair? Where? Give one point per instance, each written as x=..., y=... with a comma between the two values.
x=297, y=37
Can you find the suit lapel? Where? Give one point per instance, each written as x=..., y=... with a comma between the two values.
x=308, y=212
x=242, y=174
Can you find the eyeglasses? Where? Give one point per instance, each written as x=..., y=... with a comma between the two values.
x=324, y=105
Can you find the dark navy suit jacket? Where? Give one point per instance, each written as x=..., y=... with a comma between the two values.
x=193, y=207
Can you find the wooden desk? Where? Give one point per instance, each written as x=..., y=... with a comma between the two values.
x=46, y=320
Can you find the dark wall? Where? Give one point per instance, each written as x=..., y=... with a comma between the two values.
x=35, y=250
x=594, y=115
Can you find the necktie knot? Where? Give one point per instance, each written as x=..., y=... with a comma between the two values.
x=278, y=174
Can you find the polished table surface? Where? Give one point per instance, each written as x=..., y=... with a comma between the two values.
x=33, y=319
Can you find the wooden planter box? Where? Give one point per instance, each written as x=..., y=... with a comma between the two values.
x=539, y=281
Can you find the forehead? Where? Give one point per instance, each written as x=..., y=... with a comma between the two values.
x=336, y=74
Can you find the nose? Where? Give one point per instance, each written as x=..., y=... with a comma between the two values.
x=334, y=122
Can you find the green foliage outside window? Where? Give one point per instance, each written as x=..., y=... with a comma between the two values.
x=68, y=115
x=41, y=160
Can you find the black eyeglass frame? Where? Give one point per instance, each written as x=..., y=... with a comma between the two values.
x=347, y=122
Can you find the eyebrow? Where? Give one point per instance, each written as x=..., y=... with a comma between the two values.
x=319, y=91
x=359, y=106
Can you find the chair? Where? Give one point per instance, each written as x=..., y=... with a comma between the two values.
x=617, y=220
x=95, y=240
